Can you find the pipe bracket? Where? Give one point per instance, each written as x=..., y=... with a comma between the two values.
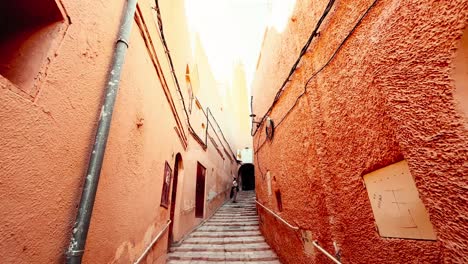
x=75, y=252
x=124, y=41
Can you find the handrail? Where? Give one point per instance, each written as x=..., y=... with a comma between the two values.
x=315, y=243
x=277, y=216
x=330, y=256
x=152, y=243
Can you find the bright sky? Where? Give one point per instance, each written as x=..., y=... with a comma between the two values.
x=232, y=30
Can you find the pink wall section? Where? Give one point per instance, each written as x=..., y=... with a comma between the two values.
x=387, y=95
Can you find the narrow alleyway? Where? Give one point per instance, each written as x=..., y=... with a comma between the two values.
x=231, y=235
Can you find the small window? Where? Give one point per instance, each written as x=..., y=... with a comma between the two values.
x=198, y=104
x=27, y=32
x=279, y=201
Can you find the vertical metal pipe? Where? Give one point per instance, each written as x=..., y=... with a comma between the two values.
x=83, y=218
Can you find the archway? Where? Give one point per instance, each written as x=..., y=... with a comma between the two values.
x=247, y=176
x=178, y=170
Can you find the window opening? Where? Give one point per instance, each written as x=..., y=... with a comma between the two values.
x=27, y=32
x=279, y=201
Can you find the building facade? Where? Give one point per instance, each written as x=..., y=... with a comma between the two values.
x=166, y=159
x=363, y=149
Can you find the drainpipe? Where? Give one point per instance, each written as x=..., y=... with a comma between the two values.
x=83, y=218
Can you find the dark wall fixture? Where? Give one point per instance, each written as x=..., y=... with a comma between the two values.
x=279, y=202
x=270, y=129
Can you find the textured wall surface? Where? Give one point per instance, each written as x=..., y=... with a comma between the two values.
x=387, y=95
x=46, y=139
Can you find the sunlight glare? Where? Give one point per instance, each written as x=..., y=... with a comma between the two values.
x=231, y=31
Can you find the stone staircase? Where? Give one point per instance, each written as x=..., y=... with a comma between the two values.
x=232, y=236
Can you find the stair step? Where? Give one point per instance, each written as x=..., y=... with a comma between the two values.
x=235, y=216
x=239, y=205
x=228, y=228
x=227, y=247
x=230, y=236
x=224, y=256
x=231, y=218
x=234, y=219
x=221, y=262
x=233, y=222
x=226, y=234
x=237, y=212
x=222, y=240
x=225, y=223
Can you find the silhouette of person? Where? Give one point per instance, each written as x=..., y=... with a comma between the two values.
x=234, y=189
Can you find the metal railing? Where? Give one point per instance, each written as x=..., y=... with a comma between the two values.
x=277, y=216
x=330, y=256
x=158, y=236
x=314, y=243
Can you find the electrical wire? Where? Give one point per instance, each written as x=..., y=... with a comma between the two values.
x=298, y=60
x=334, y=54
x=192, y=131
x=171, y=64
x=222, y=134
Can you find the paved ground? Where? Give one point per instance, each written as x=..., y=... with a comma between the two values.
x=230, y=236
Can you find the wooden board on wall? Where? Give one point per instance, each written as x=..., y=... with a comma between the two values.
x=394, y=198
x=268, y=178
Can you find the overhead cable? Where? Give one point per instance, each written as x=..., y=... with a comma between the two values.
x=333, y=56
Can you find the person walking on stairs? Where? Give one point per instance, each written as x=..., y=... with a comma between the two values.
x=231, y=236
x=234, y=189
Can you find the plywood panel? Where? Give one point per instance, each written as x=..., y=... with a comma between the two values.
x=309, y=248
x=268, y=178
x=395, y=202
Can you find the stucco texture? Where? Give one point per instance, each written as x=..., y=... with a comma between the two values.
x=386, y=96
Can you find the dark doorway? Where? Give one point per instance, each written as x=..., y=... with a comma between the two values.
x=200, y=191
x=247, y=175
x=178, y=169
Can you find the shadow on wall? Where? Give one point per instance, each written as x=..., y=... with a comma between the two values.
x=178, y=170
x=27, y=33
x=247, y=176
x=460, y=74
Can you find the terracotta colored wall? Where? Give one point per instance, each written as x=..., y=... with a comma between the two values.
x=387, y=95
x=46, y=138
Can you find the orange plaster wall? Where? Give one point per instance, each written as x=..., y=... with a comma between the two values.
x=46, y=140
x=212, y=183
x=387, y=95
